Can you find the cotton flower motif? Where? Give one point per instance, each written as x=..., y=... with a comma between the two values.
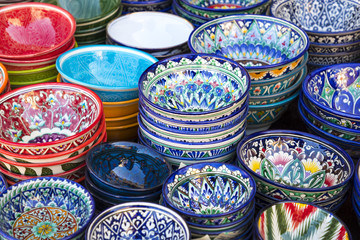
x=330, y=180
x=51, y=100
x=280, y=158
x=64, y=121
x=311, y=165
x=83, y=106
x=16, y=107
x=37, y=122
x=15, y=134
x=254, y=164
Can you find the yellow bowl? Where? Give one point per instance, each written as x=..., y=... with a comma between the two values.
x=121, y=121
x=123, y=133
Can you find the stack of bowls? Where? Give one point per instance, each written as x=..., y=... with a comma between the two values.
x=329, y=105
x=296, y=166
x=201, y=11
x=4, y=3
x=131, y=6
x=215, y=199
x=112, y=72
x=356, y=192
x=47, y=129
x=45, y=208
x=31, y=45
x=4, y=80
x=92, y=17
x=193, y=108
x=272, y=50
x=122, y=172
x=297, y=220
x=333, y=29
x=160, y=34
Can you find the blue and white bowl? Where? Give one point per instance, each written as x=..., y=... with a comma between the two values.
x=3, y=183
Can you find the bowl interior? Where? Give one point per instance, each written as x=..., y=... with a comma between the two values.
x=46, y=114
x=335, y=88
x=110, y=67
x=128, y=166
x=216, y=4
x=49, y=207
x=294, y=161
x=33, y=28
x=253, y=41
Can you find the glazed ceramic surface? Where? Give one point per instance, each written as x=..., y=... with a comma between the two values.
x=333, y=94
x=209, y=193
x=33, y=75
x=45, y=208
x=3, y=183
x=20, y=24
x=326, y=59
x=111, y=71
x=290, y=165
x=48, y=118
x=294, y=220
x=266, y=46
x=194, y=87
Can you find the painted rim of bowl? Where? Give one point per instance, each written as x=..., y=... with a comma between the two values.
x=178, y=8
x=276, y=104
x=110, y=16
x=5, y=80
x=235, y=11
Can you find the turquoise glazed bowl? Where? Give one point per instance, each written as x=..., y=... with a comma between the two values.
x=291, y=165
x=268, y=47
x=210, y=193
x=138, y=221
x=194, y=87
x=112, y=72
x=45, y=208
x=333, y=94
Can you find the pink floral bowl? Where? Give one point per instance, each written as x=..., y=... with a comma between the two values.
x=48, y=118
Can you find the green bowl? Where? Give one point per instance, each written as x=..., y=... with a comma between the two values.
x=32, y=75
x=93, y=42
x=15, y=85
x=91, y=36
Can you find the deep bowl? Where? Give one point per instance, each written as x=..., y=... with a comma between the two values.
x=296, y=220
x=127, y=167
x=194, y=87
x=156, y=222
x=49, y=208
x=33, y=75
x=112, y=72
x=291, y=165
x=268, y=47
x=48, y=118
x=4, y=79
x=332, y=93
x=34, y=29
x=209, y=193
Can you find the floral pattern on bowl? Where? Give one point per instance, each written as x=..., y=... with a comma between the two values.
x=266, y=46
x=48, y=118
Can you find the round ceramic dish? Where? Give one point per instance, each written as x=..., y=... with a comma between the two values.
x=326, y=59
x=122, y=133
x=121, y=121
x=334, y=23
x=334, y=48
x=150, y=31
x=3, y=184
x=191, y=17
x=291, y=165
x=151, y=215
x=53, y=208
x=15, y=85
x=296, y=220
x=4, y=79
x=40, y=19
x=194, y=87
x=268, y=47
x=112, y=72
x=48, y=118
x=33, y=75
x=196, y=193
x=331, y=93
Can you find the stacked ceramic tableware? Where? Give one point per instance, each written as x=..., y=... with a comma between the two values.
x=356, y=192
x=131, y=6
x=4, y=80
x=333, y=28
x=329, y=105
x=201, y=11
x=92, y=17
x=120, y=172
x=193, y=108
x=273, y=51
x=215, y=199
x=47, y=129
x=160, y=34
x=4, y=3
x=29, y=47
x=112, y=72
x=296, y=166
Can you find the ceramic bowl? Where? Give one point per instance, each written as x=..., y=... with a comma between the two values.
x=168, y=37
x=125, y=217
x=48, y=118
x=268, y=47
x=331, y=93
x=4, y=79
x=40, y=19
x=334, y=23
x=53, y=208
x=126, y=167
x=209, y=193
x=324, y=48
x=122, y=133
x=325, y=59
x=16, y=85
x=164, y=6
x=103, y=69
x=98, y=35
x=219, y=8
x=33, y=75
x=282, y=95
x=3, y=184
x=291, y=165
x=194, y=87
x=196, y=20
x=122, y=121
x=288, y=220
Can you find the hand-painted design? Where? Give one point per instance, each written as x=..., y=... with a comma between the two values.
x=331, y=49
x=265, y=116
x=325, y=60
x=3, y=183
x=292, y=220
